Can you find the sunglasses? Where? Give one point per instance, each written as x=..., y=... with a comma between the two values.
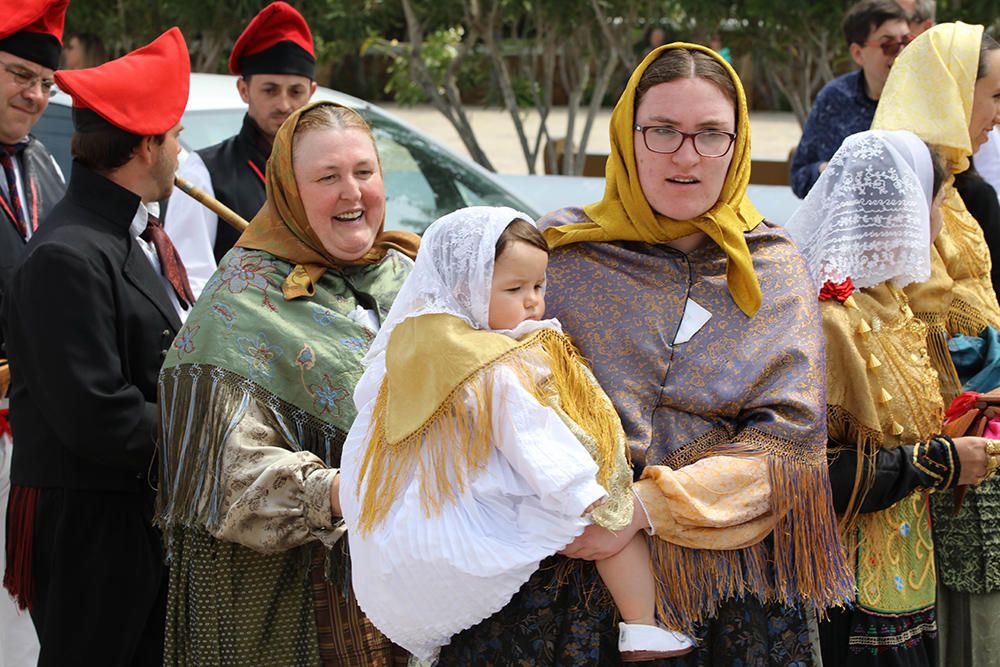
x=891, y=47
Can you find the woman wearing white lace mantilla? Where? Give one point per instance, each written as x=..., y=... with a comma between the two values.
x=866, y=230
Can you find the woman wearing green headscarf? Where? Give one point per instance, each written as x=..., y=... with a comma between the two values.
x=256, y=399
x=701, y=325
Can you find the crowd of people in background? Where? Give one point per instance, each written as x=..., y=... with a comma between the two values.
x=652, y=427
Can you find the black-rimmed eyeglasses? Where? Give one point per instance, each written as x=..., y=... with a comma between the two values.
x=26, y=79
x=707, y=143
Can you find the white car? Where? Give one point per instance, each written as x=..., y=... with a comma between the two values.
x=423, y=179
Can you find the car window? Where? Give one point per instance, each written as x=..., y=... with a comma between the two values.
x=206, y=128
x=424, y=182
x=55, y=129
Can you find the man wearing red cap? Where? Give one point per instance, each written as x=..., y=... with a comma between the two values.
x=30, y=44
x=92, y=309
x=276, y=63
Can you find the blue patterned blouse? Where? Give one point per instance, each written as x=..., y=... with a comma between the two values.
x=841, y=109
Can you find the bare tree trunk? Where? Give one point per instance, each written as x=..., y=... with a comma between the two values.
x=486, y=23
x=449, y=101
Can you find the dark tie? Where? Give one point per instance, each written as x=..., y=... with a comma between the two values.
x=170, y=261
x=8, y=153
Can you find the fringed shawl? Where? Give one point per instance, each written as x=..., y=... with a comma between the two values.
x=882, y=391
x=929, y=92
x=444, y=436
x=299, y=359
x=741, y=387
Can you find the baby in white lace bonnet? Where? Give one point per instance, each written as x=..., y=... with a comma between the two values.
x=423, y=572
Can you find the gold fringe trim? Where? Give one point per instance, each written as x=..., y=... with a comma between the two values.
x=801, y=561
x=866, y=442
x=455, y=442
x=965, y=319
x=937, y=349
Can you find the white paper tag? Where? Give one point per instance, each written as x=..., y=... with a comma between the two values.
x=694, y=319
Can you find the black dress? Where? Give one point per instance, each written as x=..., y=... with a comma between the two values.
x=981, y=200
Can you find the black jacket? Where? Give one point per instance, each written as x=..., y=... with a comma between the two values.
x=88, y=321
x=43, y=187
x=236, y=166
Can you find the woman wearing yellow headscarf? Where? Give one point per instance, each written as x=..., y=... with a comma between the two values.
x=945, y=88
x=701, y=325
x=256, y=401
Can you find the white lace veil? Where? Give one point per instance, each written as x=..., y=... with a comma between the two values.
x=453, y=272
x=868, y=216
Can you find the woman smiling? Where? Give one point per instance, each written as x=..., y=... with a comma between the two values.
x=256, y=397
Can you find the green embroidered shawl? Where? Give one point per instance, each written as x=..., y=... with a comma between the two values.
x=299, y=360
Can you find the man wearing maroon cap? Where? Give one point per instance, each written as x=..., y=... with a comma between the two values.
x=276, y=63
x=31, y=183
x=92, y=309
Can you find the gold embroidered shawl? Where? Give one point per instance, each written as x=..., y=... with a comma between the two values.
x=929, y=92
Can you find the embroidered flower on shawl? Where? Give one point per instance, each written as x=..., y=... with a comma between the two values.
x=245, y=270
x=898, y=581
x=838, y=291
x=184, y=343
x=328, y=396
x=323, y=316
x=225, y=313
x=354, y=344
x=259, y=354
x=306, y=358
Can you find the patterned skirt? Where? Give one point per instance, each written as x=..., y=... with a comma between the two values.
x=564, y=617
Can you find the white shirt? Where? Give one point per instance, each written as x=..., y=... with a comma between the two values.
x=421, y=579
x=137, y=227
x=192, y=226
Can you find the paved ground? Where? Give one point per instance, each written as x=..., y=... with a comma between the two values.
x=774, y=133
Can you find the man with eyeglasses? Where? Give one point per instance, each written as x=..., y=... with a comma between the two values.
x=876, y=31
x=30, y=46
x=276, y=63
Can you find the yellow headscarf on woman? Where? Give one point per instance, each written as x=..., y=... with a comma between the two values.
x=282, y=227
x=624, y=214
x=929, y=92
x=930, y=89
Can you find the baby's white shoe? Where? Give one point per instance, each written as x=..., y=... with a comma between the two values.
x=637, y=643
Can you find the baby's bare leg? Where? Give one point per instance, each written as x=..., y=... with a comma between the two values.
x=629, y=577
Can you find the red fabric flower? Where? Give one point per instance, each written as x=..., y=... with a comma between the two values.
x=838, y=291
x=960, y=405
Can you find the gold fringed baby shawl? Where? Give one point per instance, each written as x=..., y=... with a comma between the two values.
x=443, y=430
